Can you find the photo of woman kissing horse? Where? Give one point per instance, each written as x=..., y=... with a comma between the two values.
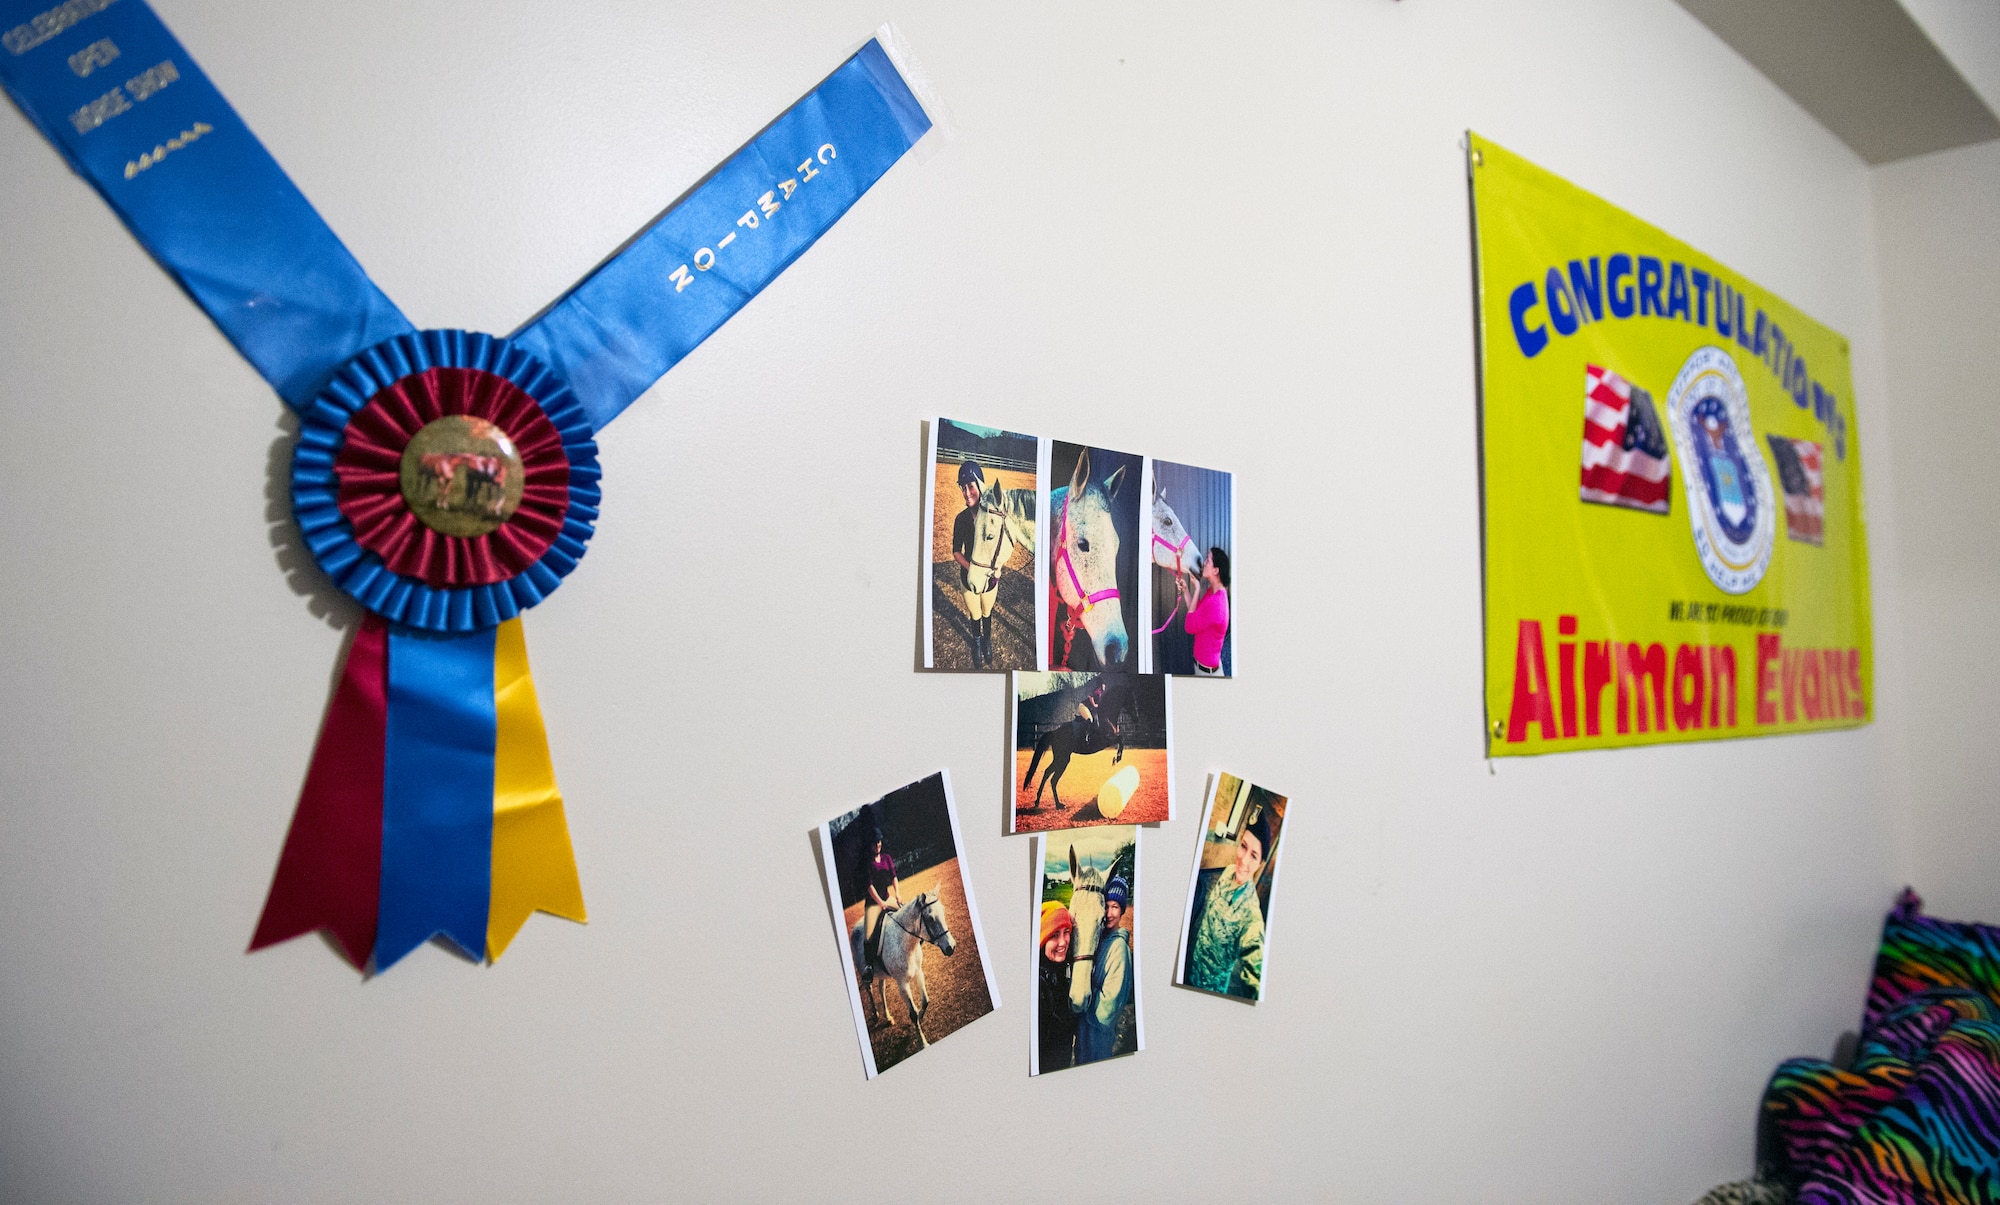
x=1093, y=558
x=1193, y=537
x=979, y=602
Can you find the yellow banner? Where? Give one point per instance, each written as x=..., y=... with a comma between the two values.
x=1674, y=543
x=534, y=869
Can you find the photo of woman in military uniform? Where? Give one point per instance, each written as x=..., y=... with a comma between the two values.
x=1227, y=933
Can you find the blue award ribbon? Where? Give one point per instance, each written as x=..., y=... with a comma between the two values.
x=437, y=793
x=124, y=102
x=112, y=89
x=638, y=314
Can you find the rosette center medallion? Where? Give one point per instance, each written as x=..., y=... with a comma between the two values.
x=461, y=476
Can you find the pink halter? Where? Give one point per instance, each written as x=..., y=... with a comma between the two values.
x=1075, y=582
x=1177, y=548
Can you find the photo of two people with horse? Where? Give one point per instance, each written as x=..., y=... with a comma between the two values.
x=1091, y=748
x=1227, y=932
x=1086, y=960
x=980, y=596
x=909, y=929
x=1093, y=557
x=1193, y=536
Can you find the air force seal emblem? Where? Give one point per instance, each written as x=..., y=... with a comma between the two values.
x=1728, y=486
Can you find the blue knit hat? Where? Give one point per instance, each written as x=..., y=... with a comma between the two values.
x=1117, y=892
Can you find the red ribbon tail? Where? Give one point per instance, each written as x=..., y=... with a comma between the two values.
x=330, y=873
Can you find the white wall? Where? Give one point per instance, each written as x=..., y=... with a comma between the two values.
x=1938, y=225
x=1229, y=235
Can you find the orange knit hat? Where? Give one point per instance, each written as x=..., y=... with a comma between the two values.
x=1055, y=917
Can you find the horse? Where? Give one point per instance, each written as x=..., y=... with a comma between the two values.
x=1003, y=521
x=485, y=476
x=1075, y=738
x=1173, y=550
x=904, y=933
x=1085, y=564
x=1006, y=520
x=1086, y=913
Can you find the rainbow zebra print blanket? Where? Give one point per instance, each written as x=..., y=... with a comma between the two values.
x=1915, y=1120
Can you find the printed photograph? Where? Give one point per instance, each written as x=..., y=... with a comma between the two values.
x=910, y=939
x=1093, y=558
x=981, y=600
x=1192, y=537
x=1091, y=748
x=1227, y=934
x=1086, y=955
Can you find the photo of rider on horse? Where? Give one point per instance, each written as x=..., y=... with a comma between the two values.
x=1091, y=748
x=981, y=601
x=1093, y=558
x=910, y=928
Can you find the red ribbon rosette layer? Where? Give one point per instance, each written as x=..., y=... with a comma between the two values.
x=369, y=467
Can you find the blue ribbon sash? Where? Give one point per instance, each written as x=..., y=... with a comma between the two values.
x=437, y=793
x=637, y=315
x=127, y=106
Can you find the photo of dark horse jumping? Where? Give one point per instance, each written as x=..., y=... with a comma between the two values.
x=1091, y=733
x=1095, y=744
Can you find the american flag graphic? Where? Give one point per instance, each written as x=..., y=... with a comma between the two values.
x=1805, y=496
x=1624, y=448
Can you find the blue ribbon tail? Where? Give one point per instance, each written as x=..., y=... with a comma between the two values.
x=126, y=104
x=653, y=302
x=437, y=794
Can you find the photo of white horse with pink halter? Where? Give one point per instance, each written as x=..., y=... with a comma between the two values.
x=1189, y=591
x=909, y=934
x=1091, y=557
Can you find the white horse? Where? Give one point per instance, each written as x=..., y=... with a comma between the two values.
x=1005, y=521
x=1002, y=520
x=904, y=933
x=1173, y=548
x=1086, y=913
x=1084, y=564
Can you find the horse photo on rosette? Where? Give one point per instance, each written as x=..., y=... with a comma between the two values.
x=1086, y=949
x=979, y=603
x=1092, y=558
x=1191, y=538
x=1089, y=749
x=1226, y=929
x=910, y=940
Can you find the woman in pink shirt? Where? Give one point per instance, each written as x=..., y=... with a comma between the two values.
x=1207, y=603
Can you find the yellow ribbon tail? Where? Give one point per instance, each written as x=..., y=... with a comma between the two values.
x=534, y=868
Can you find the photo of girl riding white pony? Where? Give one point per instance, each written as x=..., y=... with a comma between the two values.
x=910, y=938
x=1190, y=543
x=1087, y=982
x=980, y=599
x=1090, y=749
x=1093, y=558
